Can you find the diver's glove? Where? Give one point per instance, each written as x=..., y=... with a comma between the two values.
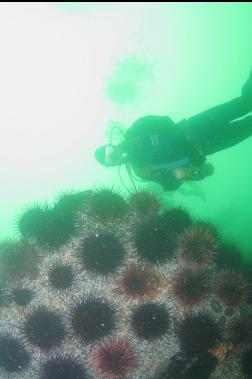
x=246, y=91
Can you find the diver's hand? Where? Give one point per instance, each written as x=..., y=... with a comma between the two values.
x=166, y=179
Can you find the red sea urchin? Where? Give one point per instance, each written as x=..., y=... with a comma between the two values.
x=197, y=245
x=232, y=288
x=114, y=359
x=137, y=282
x=145, y=203
x=17, y=260
x=190, y=286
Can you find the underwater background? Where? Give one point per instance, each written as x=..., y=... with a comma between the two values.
x=98, y=279
x=71, y=70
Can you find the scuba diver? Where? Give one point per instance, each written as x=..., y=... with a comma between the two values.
x=159, y=150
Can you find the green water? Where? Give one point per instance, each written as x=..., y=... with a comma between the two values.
x=68, y=71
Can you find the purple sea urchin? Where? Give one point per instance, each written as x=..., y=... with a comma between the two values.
x=187, y=366
x=61, y=276
x=154, y=242
x=137, y=282
x=197, y=245
x=55, y=229
x=190, y=286
x=13, y=356
x=228, y=255
x=114, y=359
x=150, y=321
x=52, y=227
x=107, y=205
x=30, y=221
x=92, y=319
x=44, y=328
x=63, y=368
x=22, y=296
x=198, y=333
x=176, y=220
x=70, y=202
x=240, y=330
x=232, y=288
x=246, y=361
x=102, y=253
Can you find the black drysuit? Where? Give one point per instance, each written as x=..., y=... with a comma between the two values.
x=156, y=145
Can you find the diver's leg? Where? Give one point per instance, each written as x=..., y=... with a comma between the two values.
x=207, y=129
x=246, y=91
x=222, y=113
x=228, y=111
x=233, y=133
x=227, y=136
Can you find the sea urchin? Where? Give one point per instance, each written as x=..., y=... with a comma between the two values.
x=150, y=321
x=232, y=288
x=198, y=333
x=92, y=319
x=190, y=286
x=137, y=282
x=44, y=328
x=114, y=359
x=197, y=245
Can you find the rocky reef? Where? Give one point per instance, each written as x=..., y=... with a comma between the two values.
x=102, y=286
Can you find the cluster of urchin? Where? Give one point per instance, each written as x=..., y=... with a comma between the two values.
x=99, y=286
